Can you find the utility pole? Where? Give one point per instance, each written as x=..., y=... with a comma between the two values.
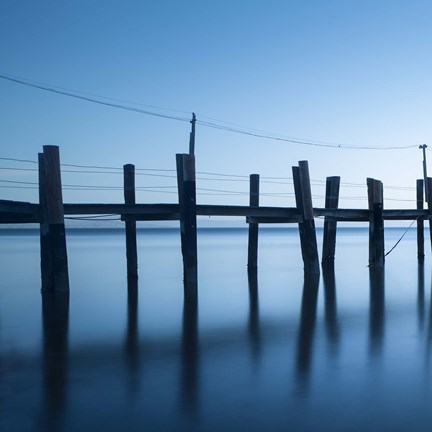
x=424, y=146
x=192, y=136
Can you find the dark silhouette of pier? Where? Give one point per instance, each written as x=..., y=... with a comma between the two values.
x=51, y=210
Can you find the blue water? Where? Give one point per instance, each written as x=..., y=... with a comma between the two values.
x=348, y=352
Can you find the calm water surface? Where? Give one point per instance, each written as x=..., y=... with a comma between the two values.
x=349, y=351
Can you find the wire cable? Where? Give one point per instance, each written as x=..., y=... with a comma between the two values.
x=245, y=131
x=18, y=160
x=48, y=88
x=298, y=141
x=403, y=235
x=89, y=218
x=315, y=183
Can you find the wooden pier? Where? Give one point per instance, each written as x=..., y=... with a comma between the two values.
x=51, y=210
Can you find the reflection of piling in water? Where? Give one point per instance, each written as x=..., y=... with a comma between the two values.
x=307, y=327
x=331, y=319
x=55, y=322
x=421, y=296
x=429, y=331
x=377, y=309
x=131, y=344
x=190, y=355
x=254, y=326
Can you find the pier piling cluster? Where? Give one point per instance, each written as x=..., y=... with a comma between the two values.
x=50, y=213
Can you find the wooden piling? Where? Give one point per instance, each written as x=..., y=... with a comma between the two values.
x=299, y=205
x=420, y=222
x=253, y=227
x=376, y=223
x=50, y=214
x=429, y=189
x=180, y=179
x=307, y=230
x=330, y=224
x=54, y=263
x=45, y=256
x=188, y=221
x=130, y=225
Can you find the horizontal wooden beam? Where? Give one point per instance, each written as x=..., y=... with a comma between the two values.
x=273, y=220
x=125, y=209
x=173, y=209
x=10, y=212
x=405, y=214
x=341, y=212
x=221, y=210
x=363, y=215
x=12, y=218
x=345, y=215
x=151, y=217
x=7, y=206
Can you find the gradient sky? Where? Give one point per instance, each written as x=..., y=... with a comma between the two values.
x=341, y=71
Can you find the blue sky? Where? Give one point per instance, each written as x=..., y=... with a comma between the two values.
x=350, y=72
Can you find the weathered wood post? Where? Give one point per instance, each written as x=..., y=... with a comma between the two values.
x=299, y=205
x=180, y=180
x=188, y=220
x=307, y=230
x=420, y=222
x=376, y=223
x=429, y=189
x=330, y=223
x=54, y=263
x=253, y=227
x=130, y=225
x=45, y=255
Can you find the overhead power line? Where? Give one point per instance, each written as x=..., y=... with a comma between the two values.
x=90, y=97
x=98, y=167
x=299, y=141
x=47, y=87
x=218, y=177
x=18, y=160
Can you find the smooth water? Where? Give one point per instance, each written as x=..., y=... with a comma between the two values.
x=273, y=351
